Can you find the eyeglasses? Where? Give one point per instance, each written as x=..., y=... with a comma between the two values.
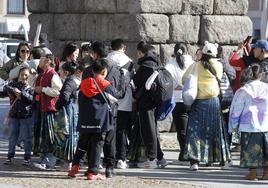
x=25, y=51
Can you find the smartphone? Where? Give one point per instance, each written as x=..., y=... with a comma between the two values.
x=247, y=40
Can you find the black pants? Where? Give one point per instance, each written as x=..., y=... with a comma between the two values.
x=109, y=148
x=122, y=130
x=81, y=149
x=95, y=145
x=148, y=131
x=180, y=119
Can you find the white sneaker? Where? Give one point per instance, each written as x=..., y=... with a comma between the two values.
x=194, y=166
x=121, y=164
x=147, y=164
x=227, y=165
x=162, y=163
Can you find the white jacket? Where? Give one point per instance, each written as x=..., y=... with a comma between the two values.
x=177, y=73
x=120, y=59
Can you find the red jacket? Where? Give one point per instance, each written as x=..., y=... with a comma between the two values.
x=239, y=66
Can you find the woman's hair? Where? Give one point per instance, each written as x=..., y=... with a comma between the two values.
x=68, y=50
x=70, y=67
x=99, y=65
x=180, y=49
x=17, y=57
x=205, y=60
x=100, y=48
x=252, y=72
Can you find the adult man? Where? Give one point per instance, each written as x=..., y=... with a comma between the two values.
x=120, y=59
x=260, y=50
x=48, y=86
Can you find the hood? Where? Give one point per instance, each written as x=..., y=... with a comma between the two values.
x=118, y=58
x=150, y=60
x=89, y=89
x=256, y=89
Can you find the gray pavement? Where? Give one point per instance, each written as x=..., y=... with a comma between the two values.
x=176, y=174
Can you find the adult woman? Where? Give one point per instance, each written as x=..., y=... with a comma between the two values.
x=70, y=54
x=177, y=66
x=206, y=136
x=22, y=55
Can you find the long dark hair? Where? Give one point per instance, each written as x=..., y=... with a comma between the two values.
x=205, y=61
x=17, y=57
x=252, y=72
x=180, y=49
x=68, y=50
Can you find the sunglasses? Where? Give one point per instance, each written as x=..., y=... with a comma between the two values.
x=25, y=51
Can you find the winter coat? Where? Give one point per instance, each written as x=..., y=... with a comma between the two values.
x=249, y=109
x=21, y=108
x=146, y=69
x=94, y=112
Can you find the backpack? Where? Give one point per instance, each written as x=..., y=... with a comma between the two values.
x=165, y=109
x=160, y=84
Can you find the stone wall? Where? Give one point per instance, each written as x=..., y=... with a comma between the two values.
x=161, y=22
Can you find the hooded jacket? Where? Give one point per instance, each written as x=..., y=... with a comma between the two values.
x=249, y=109
x=94, y=111
x=147, y=65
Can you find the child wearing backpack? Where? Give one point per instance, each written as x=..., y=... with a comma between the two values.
x=20, y=114
x=249, y=115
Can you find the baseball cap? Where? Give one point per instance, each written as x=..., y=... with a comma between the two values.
x=263, y=44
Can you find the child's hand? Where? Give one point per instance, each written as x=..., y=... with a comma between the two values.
x=17, y=92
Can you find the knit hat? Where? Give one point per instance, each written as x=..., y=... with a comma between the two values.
x=210, y=49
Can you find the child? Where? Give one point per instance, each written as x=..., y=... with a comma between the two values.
x=95, y=118
x=249, y=115
x=20, y=114
x=66, y=134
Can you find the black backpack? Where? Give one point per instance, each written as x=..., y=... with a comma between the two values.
x=162, y=87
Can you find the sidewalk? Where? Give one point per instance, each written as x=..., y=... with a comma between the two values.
x=174, y=175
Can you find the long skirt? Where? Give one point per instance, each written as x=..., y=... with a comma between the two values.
x=206, y=135
x=66, y=136
x=254, y=150
x=47, y=139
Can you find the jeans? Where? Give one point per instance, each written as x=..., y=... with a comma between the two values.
x=20, y=128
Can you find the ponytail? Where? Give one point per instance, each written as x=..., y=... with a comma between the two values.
x=180, y=49
x=252, y=72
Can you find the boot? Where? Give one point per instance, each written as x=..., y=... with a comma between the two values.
x=252, y=174
x=265, y=173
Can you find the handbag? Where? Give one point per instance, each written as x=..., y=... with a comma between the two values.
x=190, y=87
x=226, y=92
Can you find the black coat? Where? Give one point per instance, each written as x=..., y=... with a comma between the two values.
x=68, y=92
x=21, y=108
x=146, y=69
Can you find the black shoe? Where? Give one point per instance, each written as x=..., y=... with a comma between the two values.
x=9, y=161
x=109, y=172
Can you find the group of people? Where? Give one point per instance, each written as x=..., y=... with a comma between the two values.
x=94, y=100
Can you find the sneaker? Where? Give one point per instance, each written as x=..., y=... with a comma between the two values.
x=74, y=170
x=148, y=164
x=42, y=166
x=109, y=172
x=162, y=163
x=9, y=161
x=227, y=165
x=91, y=176
x=121, y=164
x=26, y=162
x=194, y=167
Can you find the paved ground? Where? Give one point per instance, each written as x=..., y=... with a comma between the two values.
x=174, y=175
